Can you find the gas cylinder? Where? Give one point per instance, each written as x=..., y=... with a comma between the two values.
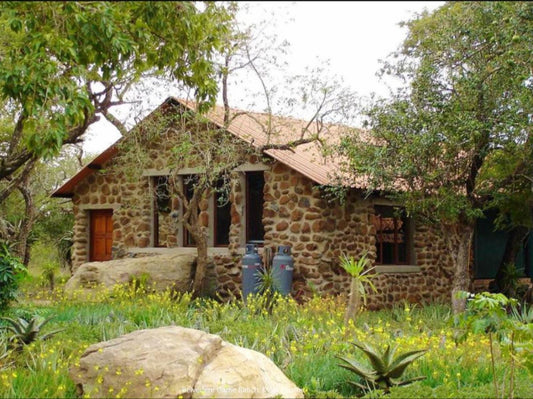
x=251, y=266
x=283, y=268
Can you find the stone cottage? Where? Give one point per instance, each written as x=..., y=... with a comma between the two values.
x=276, y=200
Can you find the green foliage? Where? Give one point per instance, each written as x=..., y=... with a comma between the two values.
x=141, y=283
x=358, y=271
x=510, y=279
x=456, y=137
x=24, y=331
x=386, y=368
x=63, y=63
x=498, y=316
x=451, y=390
x=267, y=282
x=49, y=270
x=321, y=378
x=487, y=313
x=11, y=271
x=301, y=339
x=267, y=286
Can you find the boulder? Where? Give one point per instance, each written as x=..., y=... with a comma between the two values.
x=171, y=362
x=171, y=270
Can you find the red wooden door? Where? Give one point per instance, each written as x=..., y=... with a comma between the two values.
x=101, y=235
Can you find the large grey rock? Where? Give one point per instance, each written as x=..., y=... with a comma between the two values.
x=170, y=362
x=172, y=270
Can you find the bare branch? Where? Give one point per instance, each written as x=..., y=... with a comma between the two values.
x=290, y=145
x=17, y=134
x=116, y=122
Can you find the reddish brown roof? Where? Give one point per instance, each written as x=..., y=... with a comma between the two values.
x=307, y=159
x=251, y=127
x=67, y=189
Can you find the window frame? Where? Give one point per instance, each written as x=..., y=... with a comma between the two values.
x=408, y=233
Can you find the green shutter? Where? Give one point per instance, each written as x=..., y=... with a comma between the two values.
x=489, y=246
x=488, y=249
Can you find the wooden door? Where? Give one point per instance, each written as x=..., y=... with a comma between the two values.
x=101, y=235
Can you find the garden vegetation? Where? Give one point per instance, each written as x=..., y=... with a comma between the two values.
x=461, y=357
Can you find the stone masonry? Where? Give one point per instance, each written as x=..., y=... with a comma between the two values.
x=295, y=213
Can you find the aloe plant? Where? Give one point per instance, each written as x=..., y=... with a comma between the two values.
x=24, y=332
x=360, y=278
x=386, y=368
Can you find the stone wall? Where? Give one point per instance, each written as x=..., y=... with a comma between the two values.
x=319, y=231
x=295, y=214
x=131, y=212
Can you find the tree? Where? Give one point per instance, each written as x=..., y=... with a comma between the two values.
x=65, y=63
x=456, y=139
x=322, y=99
x=216, y=153
x=28, y=214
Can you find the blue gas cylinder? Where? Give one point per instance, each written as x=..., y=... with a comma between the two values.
x=283, y=268
x=251, y=267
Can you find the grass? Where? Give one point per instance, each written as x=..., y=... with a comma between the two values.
x=301, y=339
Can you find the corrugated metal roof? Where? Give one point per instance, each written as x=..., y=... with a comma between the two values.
x=258, y=129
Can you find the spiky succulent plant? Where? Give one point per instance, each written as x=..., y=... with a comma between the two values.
x=25, y=331
x=386, y=369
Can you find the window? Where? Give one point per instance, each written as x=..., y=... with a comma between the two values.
x=161, y=200
x=392, y=236
x=162, y=194
x=219, y=210
x=222, y=215
x=255, y=183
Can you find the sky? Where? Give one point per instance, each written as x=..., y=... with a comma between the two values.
x=352, y=35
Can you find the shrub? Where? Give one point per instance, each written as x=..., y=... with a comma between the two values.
x=11, y=271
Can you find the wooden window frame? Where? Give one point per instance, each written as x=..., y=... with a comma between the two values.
x=396, y=243
x=155, y=207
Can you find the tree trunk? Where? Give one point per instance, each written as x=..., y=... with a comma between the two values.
x=461, y=259
x=514, y=244
x=23, y=249
x=515, y=241
x=201, y=266
x=354, y=302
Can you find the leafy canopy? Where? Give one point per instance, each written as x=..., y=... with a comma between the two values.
x=62, y=63
x=457, y=137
